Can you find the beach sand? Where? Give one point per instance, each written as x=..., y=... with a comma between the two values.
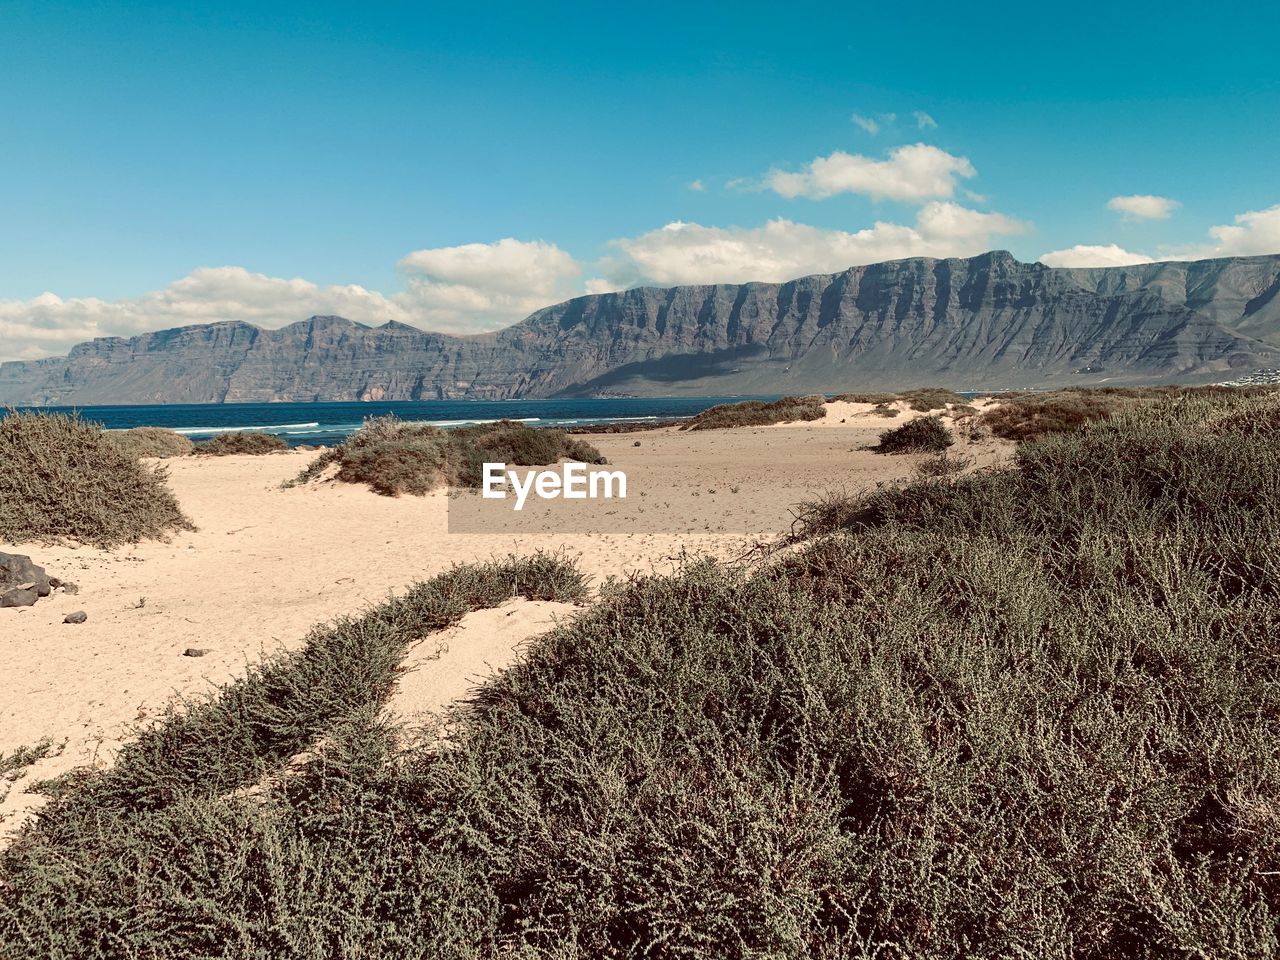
x=267, y=563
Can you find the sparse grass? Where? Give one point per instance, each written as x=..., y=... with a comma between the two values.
x=921, y=435
x=155, y=442
x=758, y=413
x=241, y=442
x=394, y=457
x=1022, y=713
x=15, y=761
x=885, y=410
x=62, y=478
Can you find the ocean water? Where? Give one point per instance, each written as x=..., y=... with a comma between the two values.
x=328, y=423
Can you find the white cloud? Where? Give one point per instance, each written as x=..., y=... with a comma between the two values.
x=1143, y=206
x=866, y=123
x=50, y=324
x=924, y=121
x=461, y=289
x=782, y=250
x=1100, y=255
x=1252, y=233
x=916, y=172
x=697, y=186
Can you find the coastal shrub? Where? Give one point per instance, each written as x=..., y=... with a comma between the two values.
x=758, y=413
x=885, y=410
x=921, y=435
x=62, y=478
x=876, y=398
x=924, y=399
x=156, y=442
x=394, y=457
x=921, y=399
x=1026, y=713
x=249, y=442
x=943, y=465
x=1027, y=416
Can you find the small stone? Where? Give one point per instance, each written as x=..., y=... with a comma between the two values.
x=195, y=651
x=70, y=588
x=636, y=444
x=78, y=617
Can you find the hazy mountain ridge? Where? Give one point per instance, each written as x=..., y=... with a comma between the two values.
x=978, y=322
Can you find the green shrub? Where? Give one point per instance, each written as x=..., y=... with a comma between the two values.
x=921, y=435
x=758, y=413
x=248, y=442
x=155, y=442
x=63, y=478
x=394, y=457
x=1027, y=713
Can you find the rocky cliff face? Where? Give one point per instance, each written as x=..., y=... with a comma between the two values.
x=987, y=321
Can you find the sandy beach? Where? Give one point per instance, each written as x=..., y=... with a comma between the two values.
x=267, y=563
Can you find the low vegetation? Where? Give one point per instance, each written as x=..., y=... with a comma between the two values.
x=942, y=465
x=250, y=442
x=1020, y=713
x=921, y=399
x=62, y=478
x=921, y=435
x=1026, y=416
x=758, y=413
x=156, y=442
x=395, y=457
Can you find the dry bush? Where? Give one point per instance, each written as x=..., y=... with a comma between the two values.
x=942, y=465
x=156, y=442
x=64, y=478
x=758, y=413
x=1028, y=416
x=394, y=457
x=1026, y=713
x=921, y=435
x=241, y=442
x=876, y=398
x=924, y=399
x=885, y=410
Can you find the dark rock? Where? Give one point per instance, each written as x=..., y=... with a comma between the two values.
x=195, y=651
x=78, y=617
x=636, y=444
x=19, y=597
x=979, y=321
x=21, y=581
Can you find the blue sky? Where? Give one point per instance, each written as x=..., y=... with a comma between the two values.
x=455, y=166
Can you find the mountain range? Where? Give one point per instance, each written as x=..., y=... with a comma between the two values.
x=982, y=322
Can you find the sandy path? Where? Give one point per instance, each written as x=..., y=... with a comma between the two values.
x=266, y=564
